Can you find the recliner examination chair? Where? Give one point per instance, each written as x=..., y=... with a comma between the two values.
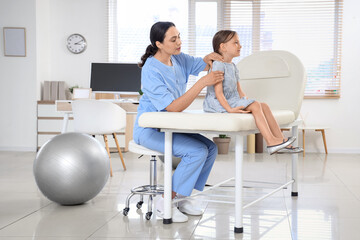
x=275, y=77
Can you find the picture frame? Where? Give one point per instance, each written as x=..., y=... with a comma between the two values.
x=14, y=41
x=81, y=93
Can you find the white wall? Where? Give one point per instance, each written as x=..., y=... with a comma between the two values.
x=18, y=79
x=50, y=22
x=341, y=115
x=88, y=18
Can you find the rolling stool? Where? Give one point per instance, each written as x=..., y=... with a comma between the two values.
x=151, y=190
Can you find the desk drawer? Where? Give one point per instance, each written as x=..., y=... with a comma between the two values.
x=53, y=125
x=48, y=110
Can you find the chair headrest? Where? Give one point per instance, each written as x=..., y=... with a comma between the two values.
x=275, y=77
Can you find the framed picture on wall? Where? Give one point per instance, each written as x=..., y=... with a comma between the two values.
x=14, y=41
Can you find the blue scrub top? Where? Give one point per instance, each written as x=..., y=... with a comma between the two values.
x=162, y=84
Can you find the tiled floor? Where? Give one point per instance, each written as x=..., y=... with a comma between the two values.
x=328, y=206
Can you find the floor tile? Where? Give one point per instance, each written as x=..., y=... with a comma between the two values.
x=40, y=238
x=16, y=206
x=61, y=221
x=328, y=205
x=135, y=225
x=355, y=190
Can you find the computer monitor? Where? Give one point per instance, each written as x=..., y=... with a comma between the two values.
x=123, y=78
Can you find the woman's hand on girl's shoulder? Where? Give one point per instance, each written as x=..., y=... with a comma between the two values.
x=213, y=78
x=213, y=57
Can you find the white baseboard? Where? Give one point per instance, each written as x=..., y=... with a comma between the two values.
x=345, y=150
x=338, y=150
x=18, y=149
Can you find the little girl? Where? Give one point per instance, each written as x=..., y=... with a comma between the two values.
x=227, y=96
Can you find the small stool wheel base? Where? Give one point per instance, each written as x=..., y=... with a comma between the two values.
x=150, y=190
x=167, y=221
x=238, y=230
x=139, y=204
x=148, y=215
x=294, y=194
x=126, y=211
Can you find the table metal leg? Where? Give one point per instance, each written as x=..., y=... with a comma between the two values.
x=303, y=135
x=239, y=148
x=65, y=123
x=168, y=178
x=294, y=163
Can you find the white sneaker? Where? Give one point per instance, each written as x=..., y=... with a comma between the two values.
x=177, y=216
x=186, y=206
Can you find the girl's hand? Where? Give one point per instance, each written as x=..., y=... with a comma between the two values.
x=213, y=78
x=212, y=57
x=238, y=110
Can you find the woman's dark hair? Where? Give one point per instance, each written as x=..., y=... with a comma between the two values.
x=157, y=34
x=220, y=37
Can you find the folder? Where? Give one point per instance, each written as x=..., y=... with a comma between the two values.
x=46, y=91
x=54, y=91
x=61, y=90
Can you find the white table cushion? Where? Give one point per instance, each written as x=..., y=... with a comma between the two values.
x=201, y=121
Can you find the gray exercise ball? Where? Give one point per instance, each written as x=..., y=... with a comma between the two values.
x=71, y=168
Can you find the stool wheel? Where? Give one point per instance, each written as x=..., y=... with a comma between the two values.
x=148, y=215
x=139, y=204
x=126, y=211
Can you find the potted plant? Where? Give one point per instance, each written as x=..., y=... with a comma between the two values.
x=69, y=94
x=140, y=94
x=222, y=143
x=71, y=89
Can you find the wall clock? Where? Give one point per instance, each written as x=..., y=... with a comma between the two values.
x=76, y=43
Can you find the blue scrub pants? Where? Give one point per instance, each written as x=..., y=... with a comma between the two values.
x=197, y=154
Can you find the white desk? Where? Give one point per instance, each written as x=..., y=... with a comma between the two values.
x=64, y=106
x=237, y=125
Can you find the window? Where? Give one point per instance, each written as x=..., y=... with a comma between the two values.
x=311, y=29
x=129, y=25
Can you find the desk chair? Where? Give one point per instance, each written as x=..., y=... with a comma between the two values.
x=100, y=118
x=151, y=190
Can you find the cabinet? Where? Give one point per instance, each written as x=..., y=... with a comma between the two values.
x=50, y=122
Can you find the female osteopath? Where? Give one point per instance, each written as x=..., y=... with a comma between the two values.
x=165, y=72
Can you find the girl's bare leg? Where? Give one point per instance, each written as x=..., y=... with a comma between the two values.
x=263, y=125
x=273, y=125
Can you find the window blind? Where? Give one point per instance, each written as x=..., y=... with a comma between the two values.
x=311, y=29
x=129, y=25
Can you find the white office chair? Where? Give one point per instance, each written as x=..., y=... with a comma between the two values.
x=96, y=117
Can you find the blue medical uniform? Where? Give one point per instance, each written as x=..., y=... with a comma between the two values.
x=162, y=84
